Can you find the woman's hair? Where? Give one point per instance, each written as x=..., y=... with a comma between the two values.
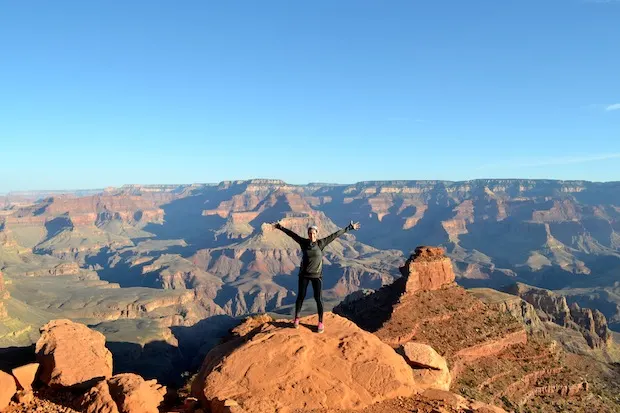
x=314, y=227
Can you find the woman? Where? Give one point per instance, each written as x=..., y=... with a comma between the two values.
x=311, y=268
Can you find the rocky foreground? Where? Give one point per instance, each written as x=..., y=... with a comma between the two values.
x=74, y=373
x=266, y=366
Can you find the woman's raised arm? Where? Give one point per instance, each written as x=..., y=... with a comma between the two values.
x=288, y=232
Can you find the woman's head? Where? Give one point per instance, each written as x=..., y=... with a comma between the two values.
x=313, y=231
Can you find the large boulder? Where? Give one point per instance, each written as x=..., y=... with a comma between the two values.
x=8, y=388
x=124, y=393
x=71, y=354
x=99, y=400
x=430, y=370
x=278, y=367
x=133, y=394
x=26, y=375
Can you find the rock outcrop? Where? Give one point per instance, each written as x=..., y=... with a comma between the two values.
x=514, y=305
x=124, y=393
x=594, y=325
x=430, y=370
x=133, y=394
x=26, y=375
x=442, y=315
x=275, y=367
x=553, y=307
x=427, y=269
x=486, y=348
x=8, y=389
x=250, y=324
x=71, y=354
x=99, y=400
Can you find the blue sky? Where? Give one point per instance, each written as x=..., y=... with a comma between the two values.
x=98, y=93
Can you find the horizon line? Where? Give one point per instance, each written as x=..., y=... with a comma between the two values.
x=281, y=181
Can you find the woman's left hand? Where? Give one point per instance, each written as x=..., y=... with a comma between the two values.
x=355, y=225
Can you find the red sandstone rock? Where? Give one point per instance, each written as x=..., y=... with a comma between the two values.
x=250, y=324
x=277, y=366
x=430, y=370
x=422, y=356
x=7, y=389
x=133, y=394
x=26, y=375
x=427, y=269
x=99, y=400
x=71, y=354
x=424, y=253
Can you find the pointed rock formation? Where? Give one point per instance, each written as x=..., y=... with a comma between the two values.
x=71, y=354
x=276, y=366
x=427, y=269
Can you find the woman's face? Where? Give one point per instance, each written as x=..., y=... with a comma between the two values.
x=312, y=234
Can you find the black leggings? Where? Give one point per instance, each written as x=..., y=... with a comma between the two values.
x=317, y=287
